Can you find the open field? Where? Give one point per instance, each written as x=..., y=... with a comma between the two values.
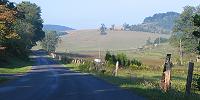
x=91, y=40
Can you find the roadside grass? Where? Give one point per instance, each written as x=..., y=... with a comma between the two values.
x=14, y=65
x=19, y=70
x=146, y=82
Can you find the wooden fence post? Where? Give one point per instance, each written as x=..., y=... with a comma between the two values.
x=189, y=78
x=116, y=68
x=166, y=76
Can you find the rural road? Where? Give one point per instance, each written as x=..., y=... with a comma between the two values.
x=51, y=81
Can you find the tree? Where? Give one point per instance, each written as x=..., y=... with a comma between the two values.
x=28, y=26
x=112, y=27
x=8, y=15
x=196, y=33
x=50, y=41
x=148, y=41
x=184, y=28
x=108, y=56
x=160, y=40
x=32, y=23
x=126, y=26
x=103, y=29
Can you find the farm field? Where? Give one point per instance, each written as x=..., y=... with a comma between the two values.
x=91, y=40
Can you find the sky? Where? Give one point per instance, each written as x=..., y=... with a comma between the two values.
x=88, y=14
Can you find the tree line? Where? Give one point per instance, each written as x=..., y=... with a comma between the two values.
x=186, y=30
x=162, y=23
x=20, y=27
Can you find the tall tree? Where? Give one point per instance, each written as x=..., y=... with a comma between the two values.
x=103, y=29
x=196, y=33
x=184, y=28
x=50, y=41
x=32, y=23
x=8, y=15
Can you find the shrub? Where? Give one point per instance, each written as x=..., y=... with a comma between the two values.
x=136, y=62
x=85, y=67
x=123, y=60
x=196, y=81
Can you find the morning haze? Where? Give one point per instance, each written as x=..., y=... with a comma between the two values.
x=100, y=50
x=80, y=14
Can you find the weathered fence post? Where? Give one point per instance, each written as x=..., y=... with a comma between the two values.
x=59, y=57
x=189, y=78
x=116, y=68
x=166, y=76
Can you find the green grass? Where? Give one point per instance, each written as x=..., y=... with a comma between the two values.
x=19, y=70
x=15, y=65
x=146, y=82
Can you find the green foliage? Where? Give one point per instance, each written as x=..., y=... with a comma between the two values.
x=21, y=27
x=33, y=21
x=136, y=62
x=162, y=40
x=196, y=33
x=108, y=56
x=158, y=23
x=196, y=81
x=85, y=67
x=184, y=29
x=123, y=60
x=50, y=41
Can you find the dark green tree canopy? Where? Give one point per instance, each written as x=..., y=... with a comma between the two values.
x=32, y=20
x=184, y=28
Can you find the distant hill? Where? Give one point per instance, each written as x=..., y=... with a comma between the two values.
x=158, y=23
x=57, y=28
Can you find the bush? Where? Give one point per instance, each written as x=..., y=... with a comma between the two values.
x=136, y=62
x=196, y=81
x=85, y=67
x=123, y=60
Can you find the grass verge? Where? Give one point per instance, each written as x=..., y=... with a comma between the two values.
x=14, y=66
x=146, y=83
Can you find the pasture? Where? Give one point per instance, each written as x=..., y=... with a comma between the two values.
x=91, y=40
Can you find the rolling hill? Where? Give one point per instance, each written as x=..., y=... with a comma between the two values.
x=158, y=23
x=91, y=40
x=57, y=28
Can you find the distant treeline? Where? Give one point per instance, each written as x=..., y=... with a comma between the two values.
x=162, y=23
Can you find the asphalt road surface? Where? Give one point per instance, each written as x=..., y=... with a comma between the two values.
x=51, y=81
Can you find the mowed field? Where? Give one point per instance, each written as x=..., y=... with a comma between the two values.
x=91, y=40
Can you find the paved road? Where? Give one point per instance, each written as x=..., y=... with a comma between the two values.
x=51, y=81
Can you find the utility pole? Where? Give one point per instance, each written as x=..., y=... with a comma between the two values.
x=181, y=52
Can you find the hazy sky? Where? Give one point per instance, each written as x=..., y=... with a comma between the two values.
x=82, y=14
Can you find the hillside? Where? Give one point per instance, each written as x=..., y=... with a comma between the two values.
x=58, y=28
x=158, y=23
x=91, y=40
